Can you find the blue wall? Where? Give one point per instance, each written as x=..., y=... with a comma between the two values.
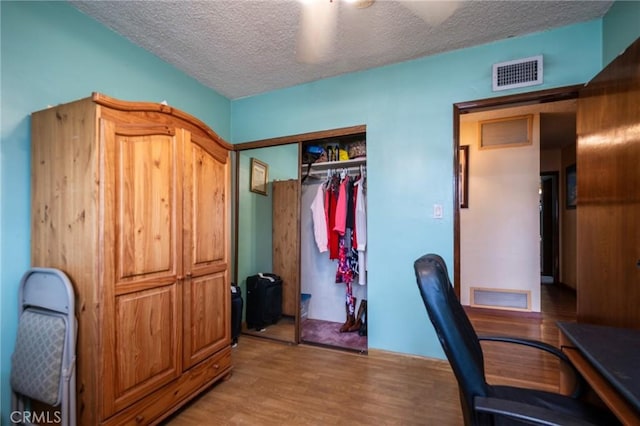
x=407, y=108
x=51, y=54
x=621, y=27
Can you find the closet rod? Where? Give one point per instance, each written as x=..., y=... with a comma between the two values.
x=320, y=172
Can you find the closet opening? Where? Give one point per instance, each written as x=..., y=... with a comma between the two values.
x=333, y=242
x=323, y=286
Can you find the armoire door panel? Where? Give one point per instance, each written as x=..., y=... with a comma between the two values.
x=206, y=317
x=146, y=204
x=206, y=209
x=126, y=287
x=146, y=343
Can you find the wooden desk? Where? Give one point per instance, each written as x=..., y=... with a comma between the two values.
x=609, y=360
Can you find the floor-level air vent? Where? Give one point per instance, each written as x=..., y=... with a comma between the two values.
x=501, y=299
x=518, y=73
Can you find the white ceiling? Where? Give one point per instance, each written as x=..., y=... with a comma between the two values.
x=242, y=48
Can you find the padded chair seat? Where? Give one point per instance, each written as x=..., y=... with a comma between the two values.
x=555, y=402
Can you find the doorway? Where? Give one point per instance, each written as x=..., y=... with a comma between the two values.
x=549, y=228
x=536, y=263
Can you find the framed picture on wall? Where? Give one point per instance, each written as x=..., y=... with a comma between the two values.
x=463, y=176
x=259, y=177
x=571, y=187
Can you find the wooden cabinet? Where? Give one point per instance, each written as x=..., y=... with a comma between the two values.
x=608, y=231
x=131, y=200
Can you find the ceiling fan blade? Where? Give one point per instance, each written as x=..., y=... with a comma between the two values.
x=434, y=12
x=316, y=32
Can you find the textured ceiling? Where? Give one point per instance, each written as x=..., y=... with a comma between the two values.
x=241, y=48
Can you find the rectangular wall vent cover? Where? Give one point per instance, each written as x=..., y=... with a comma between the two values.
x=500, y=299
x=518, y=73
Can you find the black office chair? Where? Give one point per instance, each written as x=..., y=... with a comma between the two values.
x=484, y=404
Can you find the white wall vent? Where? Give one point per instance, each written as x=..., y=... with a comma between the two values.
x=518, y=73
x=519, y=300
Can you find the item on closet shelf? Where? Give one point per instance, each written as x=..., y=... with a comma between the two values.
x=330, y=154
x=264, y=300
x=236, y=313
x=312, y=154
x=357, y=149
x=342, y=155
x=315, y=149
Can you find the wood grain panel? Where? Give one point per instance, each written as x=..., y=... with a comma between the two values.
x=286, y=242
x=65, y=184
x=147, y=352
x=137, y=110
x=207, y=299
x=146, y=197
x=164, y=401
x=608, y=177
x=208, y=214
x=603, y=388
x=206, y=317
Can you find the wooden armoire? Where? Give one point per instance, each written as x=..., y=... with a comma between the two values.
x=131, y=200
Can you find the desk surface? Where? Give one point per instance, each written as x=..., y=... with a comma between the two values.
x=614, y=352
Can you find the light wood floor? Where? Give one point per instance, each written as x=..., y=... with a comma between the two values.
x=274, y=383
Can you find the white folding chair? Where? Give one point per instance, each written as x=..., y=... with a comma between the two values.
x=43, y=361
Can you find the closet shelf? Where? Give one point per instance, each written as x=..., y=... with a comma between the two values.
x=329, y=165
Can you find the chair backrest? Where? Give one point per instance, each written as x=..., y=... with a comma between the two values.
x=457, y=336
x=43, y=362
x=37, y=362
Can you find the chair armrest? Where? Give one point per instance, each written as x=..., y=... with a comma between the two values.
x=525, y=412
x=579, y=388
x=527, y=342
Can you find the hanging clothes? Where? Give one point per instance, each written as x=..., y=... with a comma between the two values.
x=338, y=212
x=360, y=212
x=320, y=220
x=341, y=207
x=342, y=229
x=333, y=187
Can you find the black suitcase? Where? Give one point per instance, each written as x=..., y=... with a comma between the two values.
x=264, y=300
x=236, y=313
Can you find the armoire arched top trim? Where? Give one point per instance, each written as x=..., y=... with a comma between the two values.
x=137, y=106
